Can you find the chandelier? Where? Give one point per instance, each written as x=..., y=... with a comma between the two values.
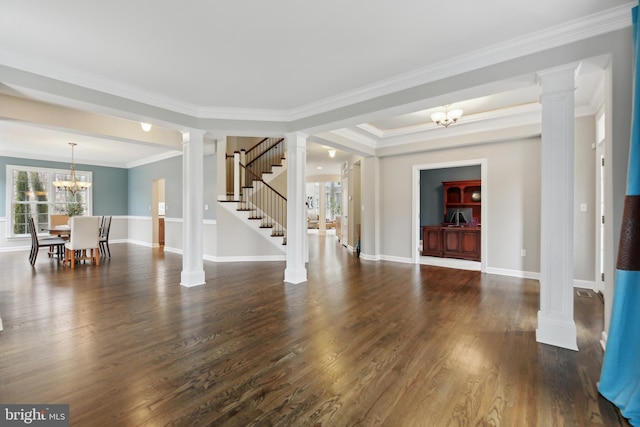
x=72, y=185
x=446, y=117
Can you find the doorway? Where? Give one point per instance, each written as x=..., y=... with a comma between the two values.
x=157, y=212
x=600, y=204
x=415, y=202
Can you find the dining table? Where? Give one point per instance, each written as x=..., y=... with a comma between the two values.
x=59, y=230
x=63, y=231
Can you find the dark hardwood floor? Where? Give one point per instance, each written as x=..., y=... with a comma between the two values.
x=361, y=344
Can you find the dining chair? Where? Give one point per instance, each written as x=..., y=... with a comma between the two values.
x=85, y=235
x=105, y=227
x=57, y=220
x=36, y=243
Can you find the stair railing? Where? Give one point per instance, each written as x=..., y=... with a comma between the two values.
x=264, y=202
x=266, y=154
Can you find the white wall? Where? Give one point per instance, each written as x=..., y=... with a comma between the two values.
x=237, y=241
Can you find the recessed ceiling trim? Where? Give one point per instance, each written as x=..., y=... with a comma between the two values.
x=369, y=128
x=478, y=123
x=355, y=136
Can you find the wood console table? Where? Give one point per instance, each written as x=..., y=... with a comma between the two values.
x=451, y=242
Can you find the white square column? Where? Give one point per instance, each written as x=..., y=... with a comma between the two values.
x=556, y=325
x=322, y=208
x=192, y=208
x=295, y=270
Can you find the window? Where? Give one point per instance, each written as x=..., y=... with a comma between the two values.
x=30, y=192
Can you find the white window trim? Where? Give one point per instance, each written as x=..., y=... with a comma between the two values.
x=51, y=171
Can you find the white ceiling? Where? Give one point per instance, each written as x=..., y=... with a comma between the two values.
x=20, y=139
x=286, y=58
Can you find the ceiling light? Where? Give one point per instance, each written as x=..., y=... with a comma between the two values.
x=446, y=117
x=332, y=153
x=319, y=168
x=145, y=126
x=72, y=185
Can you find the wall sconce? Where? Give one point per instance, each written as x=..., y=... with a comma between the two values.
x=332, y=153
x=145, y=126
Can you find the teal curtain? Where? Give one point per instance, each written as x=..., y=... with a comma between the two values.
x=620, y=376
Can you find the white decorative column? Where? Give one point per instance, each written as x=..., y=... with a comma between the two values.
x=221, y=165
x=555, y=318
x=192, y=208
x=322, y=209
x=236, y=176
x=296, y=271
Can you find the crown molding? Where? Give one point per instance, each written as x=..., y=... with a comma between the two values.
x=594, y=25
x=600, y=23
x=153, y=159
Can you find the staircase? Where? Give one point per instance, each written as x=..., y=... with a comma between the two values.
x=251, y=188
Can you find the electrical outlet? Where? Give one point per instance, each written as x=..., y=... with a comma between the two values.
x=523, y=252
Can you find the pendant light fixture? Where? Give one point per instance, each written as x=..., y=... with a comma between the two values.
x=72, y=185
x=446, y=117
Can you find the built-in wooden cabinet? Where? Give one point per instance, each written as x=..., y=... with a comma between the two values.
x=451, y=242
x=432, y=240
x=461, y=242
x=456, y=241
x=462, y=194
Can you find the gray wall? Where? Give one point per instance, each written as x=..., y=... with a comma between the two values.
x=431, y=194
x=512, y=191
x=109, y=184
x=121, y=191
x=140, y=187
x=141, y=179
x=512, y=197
x=584, y=227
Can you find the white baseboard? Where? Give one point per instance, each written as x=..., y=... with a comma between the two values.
x=368, y=257
x=140, y=243
x=396, y=259
x=514, y=273
x=460, y=264
x=264, y=258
